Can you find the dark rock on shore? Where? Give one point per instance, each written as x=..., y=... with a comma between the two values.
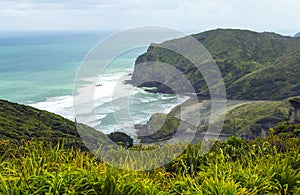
x=295, y=118
x=121, y=138
x=163, y=127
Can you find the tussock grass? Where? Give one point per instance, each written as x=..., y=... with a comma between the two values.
x=232, y=167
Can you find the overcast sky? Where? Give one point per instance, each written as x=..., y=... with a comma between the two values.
x=281, y=16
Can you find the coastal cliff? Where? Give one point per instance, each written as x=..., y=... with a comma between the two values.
x=254, y=66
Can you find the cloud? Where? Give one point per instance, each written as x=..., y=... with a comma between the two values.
x=23, y=5
x=89, y=4
x=270, y=15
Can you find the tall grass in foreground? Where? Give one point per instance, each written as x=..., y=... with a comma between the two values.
x=233, y=167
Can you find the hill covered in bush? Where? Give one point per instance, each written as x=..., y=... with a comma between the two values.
x=19, y=122
x=255, y=66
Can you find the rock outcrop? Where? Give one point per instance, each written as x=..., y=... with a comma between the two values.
x=163, y=127
x=121, y=139
x=295, y=117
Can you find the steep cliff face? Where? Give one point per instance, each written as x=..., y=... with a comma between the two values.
x=254, y=66
x=295, y=117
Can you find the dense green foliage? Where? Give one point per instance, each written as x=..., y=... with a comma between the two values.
x=278, y=81
x=254, y=66
x=20, y=122
x=122, y=138
x=268, y=166
x=286, y=129
x=255, y=118
x=24, y=122
x=160, y=127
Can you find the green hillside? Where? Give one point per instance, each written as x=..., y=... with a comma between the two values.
x=24, y=122
x=20, y=122
x=243, y=119
x=256, y=66
x=269, y=166
x=255, y=118
x=274, y=82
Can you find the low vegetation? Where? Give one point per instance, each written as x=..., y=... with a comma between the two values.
x=47, y=163
x=37, y=161
x=269, y=166
x=255, y=118
x=243, y=119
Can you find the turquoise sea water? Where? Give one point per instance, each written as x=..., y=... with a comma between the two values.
x=39, y=68
x=36, y=66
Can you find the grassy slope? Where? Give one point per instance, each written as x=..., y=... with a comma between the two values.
x=19, y=122
x=270, y=166
x=249, y=118
x=254, y=65
x=255, y=118
x=24, y=122
x=275, y=82
x=164, y=127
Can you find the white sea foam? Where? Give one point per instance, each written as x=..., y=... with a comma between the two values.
x=108, y=99
x=62, y=105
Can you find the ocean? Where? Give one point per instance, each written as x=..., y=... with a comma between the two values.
x=39, y=69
